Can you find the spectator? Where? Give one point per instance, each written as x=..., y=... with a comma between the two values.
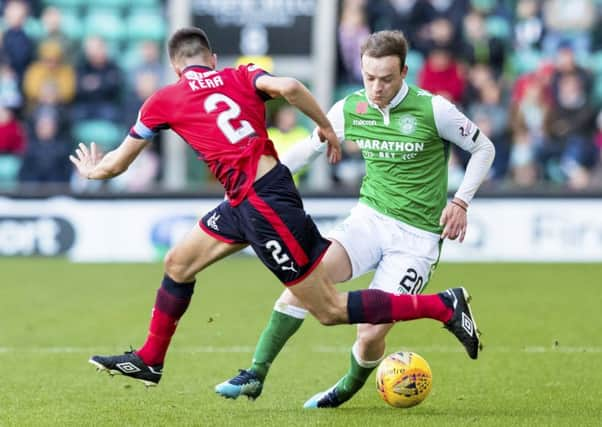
x=405, y=15
x=566, y=64
x=597, y=178
x=352, y=167
x=48, y=103
x=12, y=136
x=568, y=20
x=568, y=151
x=17, y=46
x=441, y=73
x=529, y=27
x=478, y=76
x=490, y=8
x=286, y=131
x=47, y=157
x=51, y=22
x=141, y=175
x=10, y=95
x=150, y=61
x=353, y=31
x=145, y=84
x=527, y=115
x=490, y=114
x=430, y=15
x=49, y=69
x=480, y=48
x=99, y=83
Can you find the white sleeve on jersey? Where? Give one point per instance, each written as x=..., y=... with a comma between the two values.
x=453, y=126
x=306, y=151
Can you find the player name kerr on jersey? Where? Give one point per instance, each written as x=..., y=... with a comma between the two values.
x=206, y=80
x=221, y=115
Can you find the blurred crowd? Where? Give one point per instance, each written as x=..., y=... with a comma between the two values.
x=527, y=72
x=72, y=72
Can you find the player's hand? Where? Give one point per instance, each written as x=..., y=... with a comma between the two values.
x=85, y=160
x=334, y=146
x=453, y=220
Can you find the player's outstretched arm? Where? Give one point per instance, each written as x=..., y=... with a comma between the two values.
x=91, y=164
x=298, y=95
x=306, y=151
x=302, y=154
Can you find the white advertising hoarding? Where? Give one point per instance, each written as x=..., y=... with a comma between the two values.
x=141, y=230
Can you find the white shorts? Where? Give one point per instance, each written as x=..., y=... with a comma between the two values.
x=403, y=256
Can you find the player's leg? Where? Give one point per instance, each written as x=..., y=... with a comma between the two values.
x=286, y=318
x=366, y=353
x=195, y=252
x=289, y=313
x=352, y=236
x=405, y=267
x=451, y=307
x=288, y=243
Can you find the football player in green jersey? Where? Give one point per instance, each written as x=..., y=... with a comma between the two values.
x=402, y=215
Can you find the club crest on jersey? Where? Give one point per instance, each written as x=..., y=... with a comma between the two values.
x=407, y=124
x=361, y=107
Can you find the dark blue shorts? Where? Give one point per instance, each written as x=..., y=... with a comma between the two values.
x=272, y=220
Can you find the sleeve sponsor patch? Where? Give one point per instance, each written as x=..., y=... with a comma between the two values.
x=466, y=128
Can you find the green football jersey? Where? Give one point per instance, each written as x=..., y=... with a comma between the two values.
x=406, y=159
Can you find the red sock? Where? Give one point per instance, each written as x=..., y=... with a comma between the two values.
x=162, y=327
x=409, y=307
x=171, y=304
x=376, y=306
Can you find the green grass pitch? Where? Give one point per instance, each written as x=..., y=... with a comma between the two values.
x=542, y=363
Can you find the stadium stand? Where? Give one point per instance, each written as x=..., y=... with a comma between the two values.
x=505, y=46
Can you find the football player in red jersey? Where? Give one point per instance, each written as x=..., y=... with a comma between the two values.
x=221, y=115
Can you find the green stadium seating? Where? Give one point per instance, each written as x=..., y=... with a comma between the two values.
x=598, y=91
x=106, y=134
x=66, y=3
x=145, y=3
x=525, y=61
x=106, y=23
x=9, y=170
x=595, y=63
x=33, y=28
x=146, y=25
x=71, y=24
x=116, y=4
x=414, y=61
x=498, y=27
x=130, y=57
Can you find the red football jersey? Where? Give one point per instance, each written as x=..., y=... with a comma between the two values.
x=221, y=115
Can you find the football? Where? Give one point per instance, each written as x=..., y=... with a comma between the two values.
x=404, y=379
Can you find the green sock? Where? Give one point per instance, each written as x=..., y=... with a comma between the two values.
x=355, y=378
x=277, y=332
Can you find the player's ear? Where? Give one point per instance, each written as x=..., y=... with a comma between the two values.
x=176, y=68
x=404, y=71
x=214, y=61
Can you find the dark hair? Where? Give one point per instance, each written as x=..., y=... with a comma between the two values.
x=188, y=42
x=386, y=43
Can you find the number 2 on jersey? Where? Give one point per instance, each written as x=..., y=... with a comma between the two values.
x=233, y=134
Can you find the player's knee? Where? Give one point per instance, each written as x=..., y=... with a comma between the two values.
x=329, y=316
x=176, y=269
x=369, y=336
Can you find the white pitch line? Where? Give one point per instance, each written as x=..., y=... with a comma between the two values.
x=314, y=349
